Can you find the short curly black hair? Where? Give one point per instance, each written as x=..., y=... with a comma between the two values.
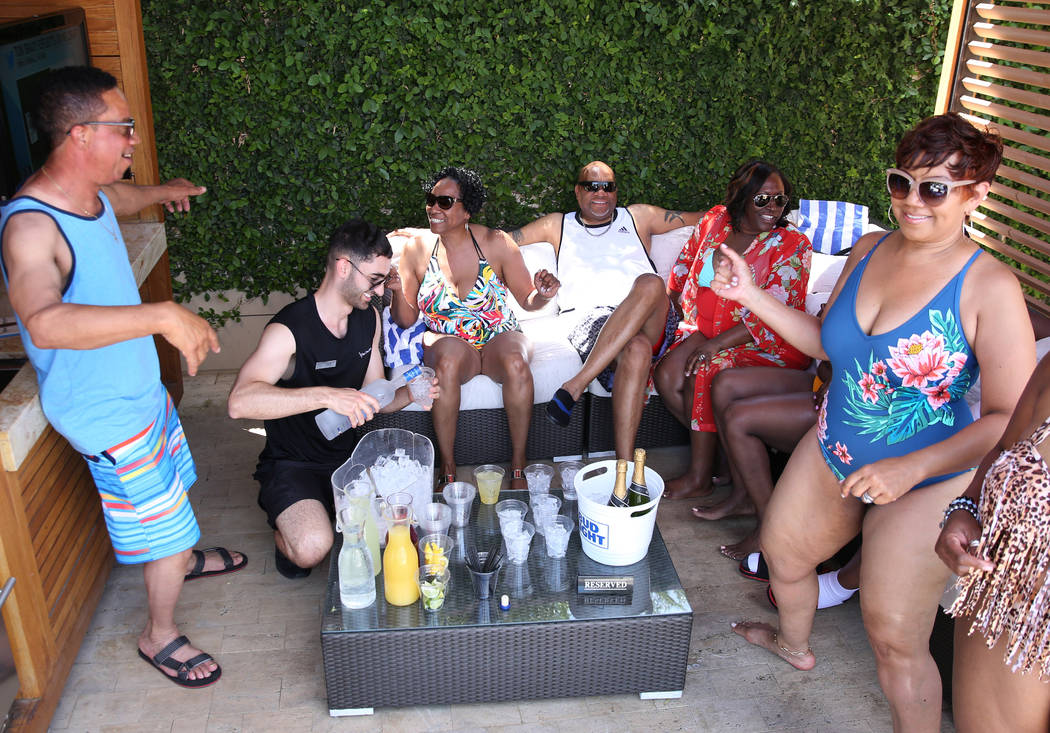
x=745, y=184
x=471, y=190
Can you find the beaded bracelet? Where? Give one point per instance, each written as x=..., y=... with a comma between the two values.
x=964, y=503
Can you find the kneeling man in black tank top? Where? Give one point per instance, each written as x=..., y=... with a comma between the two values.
x=313, y=355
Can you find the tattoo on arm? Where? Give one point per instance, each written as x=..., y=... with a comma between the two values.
x=670, y=216
x=517, y=236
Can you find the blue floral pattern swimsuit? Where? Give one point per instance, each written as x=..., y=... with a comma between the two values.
x=897, y=392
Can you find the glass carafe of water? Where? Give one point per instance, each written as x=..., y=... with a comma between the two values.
x=357, y=584
x=359, y=499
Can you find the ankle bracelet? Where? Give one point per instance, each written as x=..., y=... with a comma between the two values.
x=781, y=647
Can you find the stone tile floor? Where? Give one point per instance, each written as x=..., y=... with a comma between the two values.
x=264, y=631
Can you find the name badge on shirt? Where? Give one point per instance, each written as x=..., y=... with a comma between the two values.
x=325, y=364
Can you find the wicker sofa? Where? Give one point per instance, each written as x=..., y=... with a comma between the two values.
x=482, y=435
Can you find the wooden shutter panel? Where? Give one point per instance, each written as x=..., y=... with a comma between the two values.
x=997, y=75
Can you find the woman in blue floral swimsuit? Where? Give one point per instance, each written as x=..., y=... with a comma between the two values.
x=911, y=318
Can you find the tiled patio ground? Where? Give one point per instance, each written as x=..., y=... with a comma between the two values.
x=264, y=630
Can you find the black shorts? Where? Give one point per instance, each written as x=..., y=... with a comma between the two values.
x=282, y=483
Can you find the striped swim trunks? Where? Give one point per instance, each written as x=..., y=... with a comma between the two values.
x=143, y=483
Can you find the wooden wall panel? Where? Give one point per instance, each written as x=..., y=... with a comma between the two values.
x=61, y=569
x=1005, y=86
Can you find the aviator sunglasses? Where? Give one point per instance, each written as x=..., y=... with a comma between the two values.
x=595, y=186
x=382, y=281
x=932, y=191
x=444, y=202
x=762, y=200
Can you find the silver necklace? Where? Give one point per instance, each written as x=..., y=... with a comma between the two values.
x=86, y=213
x=602, y=232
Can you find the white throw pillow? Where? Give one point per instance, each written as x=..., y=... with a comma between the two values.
x=824, y=271
x=538, y=256
x=666, y=248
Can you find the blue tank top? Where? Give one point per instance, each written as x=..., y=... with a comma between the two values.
x=95, y=398
x=896, y=392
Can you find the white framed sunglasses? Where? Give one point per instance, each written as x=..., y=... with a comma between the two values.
x=932, y=191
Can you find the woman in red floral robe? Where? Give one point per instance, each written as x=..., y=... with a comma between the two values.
x=715, y=333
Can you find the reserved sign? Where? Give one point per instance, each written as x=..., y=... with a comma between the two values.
x=609, y=584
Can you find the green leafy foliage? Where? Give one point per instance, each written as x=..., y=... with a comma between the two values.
x=299, y=115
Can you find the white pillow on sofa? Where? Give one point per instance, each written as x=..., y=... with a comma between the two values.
x=824, y=271
x=538, y=256
x=666, y=248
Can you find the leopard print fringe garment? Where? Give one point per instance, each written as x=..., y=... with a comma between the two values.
x=1014, y=598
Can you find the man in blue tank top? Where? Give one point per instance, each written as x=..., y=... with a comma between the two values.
x=315, y=354
x=89, y=337
x=610, y=286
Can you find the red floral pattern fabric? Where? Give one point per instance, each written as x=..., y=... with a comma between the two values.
x=779, y=261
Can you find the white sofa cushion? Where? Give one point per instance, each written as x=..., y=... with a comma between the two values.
x=824, y=271
x=666, y=247
x=538, y=256
x=554, y=361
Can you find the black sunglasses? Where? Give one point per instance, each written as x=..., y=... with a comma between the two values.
x=595, y=186
x=444, y=202
x=932, y=192
x=762, y=200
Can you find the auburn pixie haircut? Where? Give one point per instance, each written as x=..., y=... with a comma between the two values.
x=936, y=139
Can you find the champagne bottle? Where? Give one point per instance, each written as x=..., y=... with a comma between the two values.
x=619, y=494
x=638, y=494
x=332, y=424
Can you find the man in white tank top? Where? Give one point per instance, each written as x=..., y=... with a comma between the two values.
x=604, y=265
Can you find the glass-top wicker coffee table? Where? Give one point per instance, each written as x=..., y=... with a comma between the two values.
x=551, y=642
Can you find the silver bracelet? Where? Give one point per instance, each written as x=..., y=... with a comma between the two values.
x=964, y=503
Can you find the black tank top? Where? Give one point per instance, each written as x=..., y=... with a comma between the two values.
x=321, y=360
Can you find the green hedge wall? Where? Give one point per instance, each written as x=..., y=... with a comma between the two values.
x=298, y=115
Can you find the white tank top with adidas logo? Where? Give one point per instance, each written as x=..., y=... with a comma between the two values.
x=597, y=265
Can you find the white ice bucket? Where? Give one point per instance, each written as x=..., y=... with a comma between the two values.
x=615, y=535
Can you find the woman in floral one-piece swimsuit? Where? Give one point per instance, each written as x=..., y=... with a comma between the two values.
x=911, y=317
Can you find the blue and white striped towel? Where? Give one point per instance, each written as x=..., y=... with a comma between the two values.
x=402, y=346
x=832, y=226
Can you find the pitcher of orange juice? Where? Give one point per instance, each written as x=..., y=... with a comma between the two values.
x=400, y=559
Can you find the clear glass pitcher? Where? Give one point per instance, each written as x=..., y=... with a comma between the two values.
x=400, y=559
x=351, y=482
x=357, y=584
x=360, y=501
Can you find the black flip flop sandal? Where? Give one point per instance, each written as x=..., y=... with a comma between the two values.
x=182, y=669
x=228, y=565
